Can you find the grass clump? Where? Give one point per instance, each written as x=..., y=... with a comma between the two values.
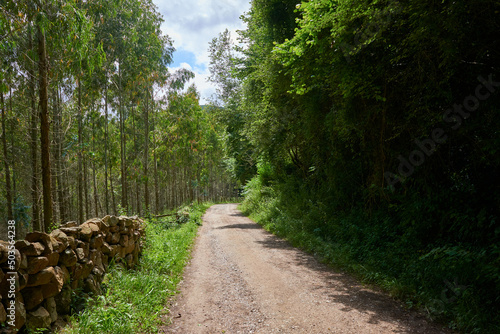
x=134, y=300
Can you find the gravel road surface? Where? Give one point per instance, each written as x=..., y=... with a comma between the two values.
x=241, y=279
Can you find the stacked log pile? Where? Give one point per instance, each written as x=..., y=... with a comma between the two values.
x=50, y=268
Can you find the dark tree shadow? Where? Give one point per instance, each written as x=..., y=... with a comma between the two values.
x=240, y=226
x=349, y=292
x=237, y=214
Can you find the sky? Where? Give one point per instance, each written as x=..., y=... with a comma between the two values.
x=192, y=24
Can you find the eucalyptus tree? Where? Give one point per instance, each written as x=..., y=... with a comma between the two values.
x=70, y=33
x=8, y=189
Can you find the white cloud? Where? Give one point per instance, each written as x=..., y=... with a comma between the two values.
x=186, y=66
x=192, y=24
x=205, y=88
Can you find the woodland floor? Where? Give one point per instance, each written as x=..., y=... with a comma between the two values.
x=242, y=279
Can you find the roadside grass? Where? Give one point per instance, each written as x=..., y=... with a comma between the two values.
x=134, y=301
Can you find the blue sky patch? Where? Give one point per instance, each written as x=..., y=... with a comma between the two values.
x=183, y=56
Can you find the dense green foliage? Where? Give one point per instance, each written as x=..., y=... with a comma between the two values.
x=375, y=125
x=135, y=301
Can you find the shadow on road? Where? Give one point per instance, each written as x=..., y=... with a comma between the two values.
x=237, y=214
x=240, y=226
x=347, y=291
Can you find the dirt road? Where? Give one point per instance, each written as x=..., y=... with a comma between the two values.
x=242, y=279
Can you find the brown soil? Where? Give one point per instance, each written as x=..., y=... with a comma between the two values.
x=242, y=279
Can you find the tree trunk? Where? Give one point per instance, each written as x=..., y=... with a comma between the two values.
x=55, y=172
x=171, y=185
x=191, y=184
x=44, y=130
x=115, y=211
x=36, y=222
x=12, y=145
x=183, y=184
x=86, y=189
x=146, y=153
x=155, y=167
x=177, y=184
x=136, y=174
x=96, y=195
x=80, y=153
x=63, y=206
x=122, y=145
x=106, y=199
x=8, y=190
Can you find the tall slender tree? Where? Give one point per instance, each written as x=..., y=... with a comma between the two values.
x=44, y=130
x=8, y=189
